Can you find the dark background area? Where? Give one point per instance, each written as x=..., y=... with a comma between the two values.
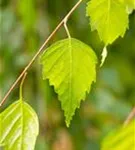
x=24, y=25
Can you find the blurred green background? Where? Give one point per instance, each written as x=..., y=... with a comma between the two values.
x=24, y=25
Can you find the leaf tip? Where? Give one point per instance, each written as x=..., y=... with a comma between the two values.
x=67, y=124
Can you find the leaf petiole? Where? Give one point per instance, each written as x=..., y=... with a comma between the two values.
x=66, y=28
x=21, y=86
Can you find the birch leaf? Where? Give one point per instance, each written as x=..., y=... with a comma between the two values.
x=122, y=139
x=70, y=65
x=18, y=127
x=109, y=18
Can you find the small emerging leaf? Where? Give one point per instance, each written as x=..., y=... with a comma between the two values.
x=122, y=139
x=70, y=66
x=104, y=55
x=109, y=18
x=18, y=127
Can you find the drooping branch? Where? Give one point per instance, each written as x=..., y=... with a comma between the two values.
x=39, y=51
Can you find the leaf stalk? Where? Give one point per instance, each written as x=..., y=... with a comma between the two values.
x=21, y=86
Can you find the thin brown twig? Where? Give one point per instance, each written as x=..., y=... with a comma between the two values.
x=39, y=51
x=130, y=117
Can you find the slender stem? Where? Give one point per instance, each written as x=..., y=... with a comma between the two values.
x=21, y=86
x=39, y=51
x=130, y=117
x=66, y=28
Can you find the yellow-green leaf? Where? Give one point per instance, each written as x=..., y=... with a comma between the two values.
x=18, y=127
x=122, y=139
x=70, y=66
x=109, y=18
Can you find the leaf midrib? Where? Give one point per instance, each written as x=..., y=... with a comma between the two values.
x=71, y=69
x=22, y=122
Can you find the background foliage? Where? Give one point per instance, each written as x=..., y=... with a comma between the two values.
x=24, y=25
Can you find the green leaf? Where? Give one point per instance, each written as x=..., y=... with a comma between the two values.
x=69, y=65
x=109, y=18
x=18, y=127
x=122, y=139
